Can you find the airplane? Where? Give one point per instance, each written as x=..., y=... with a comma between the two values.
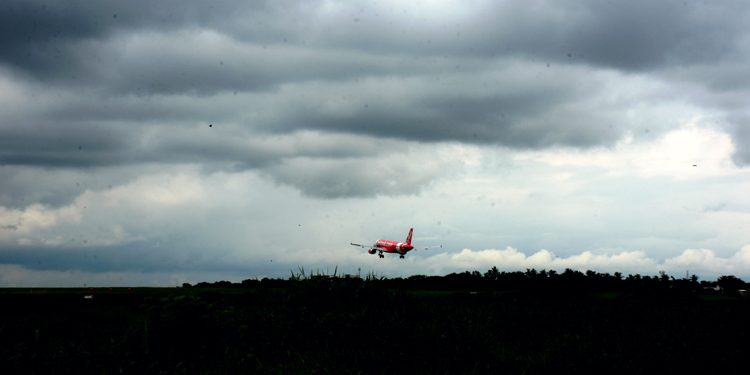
x=393, y=247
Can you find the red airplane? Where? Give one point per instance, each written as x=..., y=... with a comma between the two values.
x=388, y=246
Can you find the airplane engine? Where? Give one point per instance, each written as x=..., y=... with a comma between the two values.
x=371, y=251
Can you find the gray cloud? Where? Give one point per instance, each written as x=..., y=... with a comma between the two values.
x=38, y=35
x=632, y=35
x=740, y=130
x=359, y=177
x=722, y=88
x=63, y=40
x=123, y=84
x=73, y=145
x=138, y=257
x=21, y=186
x=500, y=104
x=507, y=105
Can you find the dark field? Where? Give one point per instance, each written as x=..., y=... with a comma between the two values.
x=336, y=325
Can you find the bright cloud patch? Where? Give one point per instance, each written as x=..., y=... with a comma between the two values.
x=99, y=218
x=513, y=259
x=703, y=262
x=688, y=152
x=707, y=262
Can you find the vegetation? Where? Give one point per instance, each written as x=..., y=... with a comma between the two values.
x=518, y=322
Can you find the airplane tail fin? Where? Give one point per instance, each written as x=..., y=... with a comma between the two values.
x=408, y=238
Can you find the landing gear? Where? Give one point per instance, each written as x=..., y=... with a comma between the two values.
x=401, y=256
x=381, y=255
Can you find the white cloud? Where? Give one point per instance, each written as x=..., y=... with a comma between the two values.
x=105, y=217
x=20, y=223
x=513, y=259
x=693, y=151
x=703, y=262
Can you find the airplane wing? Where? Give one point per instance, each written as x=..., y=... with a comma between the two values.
x=431, y=247
x=363, y=246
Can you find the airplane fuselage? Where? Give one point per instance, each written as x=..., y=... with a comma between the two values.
x=389, y=246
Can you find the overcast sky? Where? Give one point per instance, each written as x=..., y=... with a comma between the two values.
x=155, y=143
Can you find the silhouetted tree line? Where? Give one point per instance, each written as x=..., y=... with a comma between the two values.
x=543, y=281
x=468, y=322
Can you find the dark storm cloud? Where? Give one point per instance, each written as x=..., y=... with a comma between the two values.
x=72, y=145
x=37, y=36
x=61, y=145
x=136, y=82
x=633, y=35
x=206, y=64
x=529, y=107
x=64, y=40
